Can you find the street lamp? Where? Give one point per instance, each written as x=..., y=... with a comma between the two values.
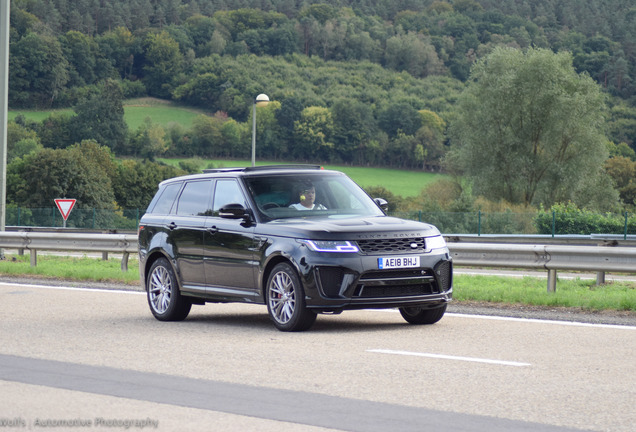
x=4, y=92
x=261, y=100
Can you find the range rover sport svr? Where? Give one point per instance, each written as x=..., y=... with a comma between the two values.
x=299, y=239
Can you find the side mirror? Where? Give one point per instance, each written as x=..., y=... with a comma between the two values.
x=234, y=211
x=383, y=204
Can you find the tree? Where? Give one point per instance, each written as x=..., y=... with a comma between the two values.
x=286, y=116
x=80, y=51
x=201, y=90
x=623, y=171
x=136, y=182
x=431, y=138
x=38, y=71
x=56, y=131
x=50, y=174
x=120, y=47
x=21, y=141
x=101, y=117
x=412, y=53
x=529, y=128
x=149, y=140
x=163, y=64
x=354, y=125
x=200, y=29
x=207, y=136
x=313, y=133
x=399, y=117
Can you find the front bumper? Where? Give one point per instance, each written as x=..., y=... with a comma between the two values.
x=355, y=282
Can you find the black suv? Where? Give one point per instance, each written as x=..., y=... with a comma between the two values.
x=300, y=239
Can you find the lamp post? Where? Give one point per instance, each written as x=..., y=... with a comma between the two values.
x=4, y=92
x=261, y=100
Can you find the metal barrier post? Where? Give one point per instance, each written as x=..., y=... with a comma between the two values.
x=600, y=278
x=552, y=277
x=553, y=222
x=479, y=223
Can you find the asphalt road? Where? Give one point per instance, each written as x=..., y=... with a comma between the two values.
x=84, y=359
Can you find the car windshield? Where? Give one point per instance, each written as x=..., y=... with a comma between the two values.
x=315, y=194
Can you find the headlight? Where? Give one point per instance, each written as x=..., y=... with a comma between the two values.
x=436, y=242
x=330, y=246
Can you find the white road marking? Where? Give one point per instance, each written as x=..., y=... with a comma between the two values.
x=35, y=286
x=542, y=321
x=448, y=314
x=449, y=357
x=525, y=320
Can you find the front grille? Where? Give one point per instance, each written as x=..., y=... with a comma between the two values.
x=393, y=245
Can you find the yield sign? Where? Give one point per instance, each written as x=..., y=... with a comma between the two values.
x=65, y=206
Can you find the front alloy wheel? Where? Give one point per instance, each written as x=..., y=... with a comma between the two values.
x=164, y=299
x=286, y=300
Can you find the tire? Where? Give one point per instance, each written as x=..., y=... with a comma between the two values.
x=165, y=301
x=417, y=315
x=286, y=300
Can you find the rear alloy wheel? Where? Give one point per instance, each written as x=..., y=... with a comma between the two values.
x=286, y=300
x=417, y=315
x=164, y=299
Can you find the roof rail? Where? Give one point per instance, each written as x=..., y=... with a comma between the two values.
x=278, y=167
x=262, y=168
x=220, y=170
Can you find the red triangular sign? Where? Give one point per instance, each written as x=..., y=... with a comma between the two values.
x=65, y=206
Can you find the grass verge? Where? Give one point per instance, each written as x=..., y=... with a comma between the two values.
x=71, y=268
x=573, y=293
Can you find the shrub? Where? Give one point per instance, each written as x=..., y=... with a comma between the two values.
x=569, y=219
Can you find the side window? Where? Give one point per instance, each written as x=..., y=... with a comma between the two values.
x=195, y=199
x=162, y=203
x=227, y=192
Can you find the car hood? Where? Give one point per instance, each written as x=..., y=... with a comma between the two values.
x=333, y=228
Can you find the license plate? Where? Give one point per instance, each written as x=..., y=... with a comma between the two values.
x=399, y=262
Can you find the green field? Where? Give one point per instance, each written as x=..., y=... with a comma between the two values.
x=401, y=182
x=162, y=112
x=135, y=113
x=37, y=116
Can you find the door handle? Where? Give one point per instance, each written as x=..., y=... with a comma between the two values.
x=213, y=230
x=172, y=225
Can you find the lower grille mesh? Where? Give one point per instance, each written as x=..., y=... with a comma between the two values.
x=444, y=272
x=395, y=290
x=331, y=280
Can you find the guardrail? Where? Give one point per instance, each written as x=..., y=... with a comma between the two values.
x=599, y=259
x=570, y=239
x=40, y=241
x=598, y=254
